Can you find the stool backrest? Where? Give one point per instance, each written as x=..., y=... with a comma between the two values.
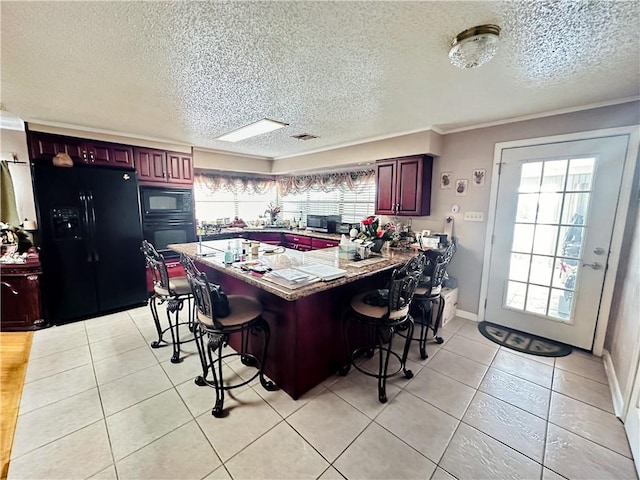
x=436, y=267
x=157, y=266
x=402, y=286
x=201, y=290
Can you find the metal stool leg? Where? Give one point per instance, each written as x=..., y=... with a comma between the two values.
x=264, y=326
x=156, y=320
x=438, y=320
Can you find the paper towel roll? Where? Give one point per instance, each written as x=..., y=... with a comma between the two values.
x=30, y=225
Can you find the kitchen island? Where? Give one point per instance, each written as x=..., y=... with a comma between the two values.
x=307, y=344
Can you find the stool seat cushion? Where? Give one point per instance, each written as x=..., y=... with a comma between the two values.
x=242, y=308
x=373, y=311
x=422, y=291
x=180, y=285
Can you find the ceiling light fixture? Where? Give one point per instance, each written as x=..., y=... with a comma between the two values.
x=475, y=46
x=257, y=128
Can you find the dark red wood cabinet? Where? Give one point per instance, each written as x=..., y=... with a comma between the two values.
x=272, y=238
x=160, y=167
x=44, y=146
x=296, y=242
x=21, y=301
x=403, y=186
x=318, y=243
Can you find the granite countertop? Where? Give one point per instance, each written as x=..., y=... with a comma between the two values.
x=212, y=255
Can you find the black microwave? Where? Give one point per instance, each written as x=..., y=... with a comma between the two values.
x=323, y=223
x=166, y=202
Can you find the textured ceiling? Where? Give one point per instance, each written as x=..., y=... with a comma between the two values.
x=188, y=72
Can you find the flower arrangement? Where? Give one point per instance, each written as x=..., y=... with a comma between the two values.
x=273, y=211
x=372, y=230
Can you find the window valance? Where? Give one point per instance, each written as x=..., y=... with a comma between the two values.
x=325, y=182
x=234, y=184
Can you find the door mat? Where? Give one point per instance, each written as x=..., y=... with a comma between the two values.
x=523, y=342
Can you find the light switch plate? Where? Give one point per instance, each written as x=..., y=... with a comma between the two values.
x=474, y=216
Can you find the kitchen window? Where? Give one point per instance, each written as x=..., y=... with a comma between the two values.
x=349, y=194
x=220, y=197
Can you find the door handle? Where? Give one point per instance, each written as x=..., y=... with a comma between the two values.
x=87, y=230
x=594, y=265
x=93, y=227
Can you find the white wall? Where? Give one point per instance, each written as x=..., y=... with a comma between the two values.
x=15, y=141
x=623, y=331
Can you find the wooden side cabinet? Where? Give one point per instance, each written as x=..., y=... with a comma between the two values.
x=21, y=301
x=403, y=186
x=154, y=167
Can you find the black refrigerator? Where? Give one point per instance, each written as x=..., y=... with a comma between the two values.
x=90, y=235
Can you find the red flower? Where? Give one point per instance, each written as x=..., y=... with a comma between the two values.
x=368, y=221
x=380, y=233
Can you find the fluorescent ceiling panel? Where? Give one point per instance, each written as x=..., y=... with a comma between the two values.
x=252, y=130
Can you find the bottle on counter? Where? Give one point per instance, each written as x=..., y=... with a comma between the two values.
x=228, y=255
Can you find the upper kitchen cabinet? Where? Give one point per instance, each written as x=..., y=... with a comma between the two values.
x=45, y=146
x=157, y=166
x=403, y=186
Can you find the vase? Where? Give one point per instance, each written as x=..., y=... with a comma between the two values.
x=377, y=245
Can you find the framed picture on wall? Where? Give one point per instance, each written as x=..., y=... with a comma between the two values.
x=461, y=187
x=478, y=177
x=446, y=180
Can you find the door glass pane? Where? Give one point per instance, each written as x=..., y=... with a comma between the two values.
x=544, y=241
x=580, y=174
x=541, y=270
x=530, y=177
x=575, y=208
x=537, y=298
x=516, y=293
x=570, y=244
x=522, y=238
x=564, y=273
x=527, y=207
x=553, y=176
x=560, y=304
x=519, y=267
x=549, y=207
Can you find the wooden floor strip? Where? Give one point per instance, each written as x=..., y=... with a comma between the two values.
x=14, y=357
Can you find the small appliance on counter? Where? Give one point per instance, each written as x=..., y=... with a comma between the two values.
x=346, y=227
x=323, y=223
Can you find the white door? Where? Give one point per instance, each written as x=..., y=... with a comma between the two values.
x=554, y=219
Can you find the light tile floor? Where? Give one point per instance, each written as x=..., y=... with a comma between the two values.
x=100, y=403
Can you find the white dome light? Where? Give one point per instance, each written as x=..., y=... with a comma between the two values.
x=475, y=46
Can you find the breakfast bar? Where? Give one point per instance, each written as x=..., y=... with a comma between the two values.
x=305, y=319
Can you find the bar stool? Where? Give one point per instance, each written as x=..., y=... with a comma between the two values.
x=384, y=312
x=427, y=294
x=172, y=291
x=212, y=334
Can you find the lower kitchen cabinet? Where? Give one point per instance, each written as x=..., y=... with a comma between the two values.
x=21, y=300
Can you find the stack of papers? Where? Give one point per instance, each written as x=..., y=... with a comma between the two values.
x=325, y=272
x=291, y=277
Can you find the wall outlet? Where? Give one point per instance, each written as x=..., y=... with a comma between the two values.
x=474, y=216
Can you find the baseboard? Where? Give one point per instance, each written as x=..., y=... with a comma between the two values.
x=614, y=386
x=467, y=315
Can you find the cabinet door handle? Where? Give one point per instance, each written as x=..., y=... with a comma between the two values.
x=92, y=156
x=10, y=287
x=84, y=155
